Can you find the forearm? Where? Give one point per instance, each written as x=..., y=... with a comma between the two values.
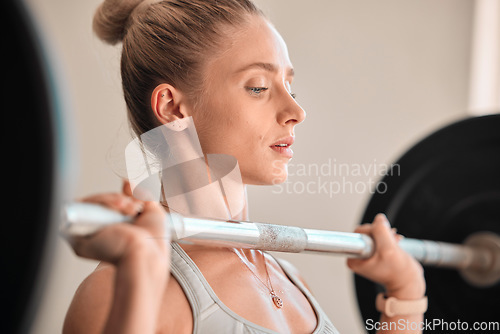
x=139, y=290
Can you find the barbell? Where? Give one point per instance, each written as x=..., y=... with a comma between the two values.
x=478, y=258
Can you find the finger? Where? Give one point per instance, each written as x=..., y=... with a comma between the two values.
x=358, y=265
x=352, y=263
x=382, y=234
x=364, y=228
x=116, y=201
x=108, y=244
x=127, y=188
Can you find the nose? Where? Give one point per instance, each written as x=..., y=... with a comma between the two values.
x=290, y=111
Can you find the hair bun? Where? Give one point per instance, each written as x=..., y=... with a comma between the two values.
x=111, y=19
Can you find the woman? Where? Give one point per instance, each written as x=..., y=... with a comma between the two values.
x=223, y=64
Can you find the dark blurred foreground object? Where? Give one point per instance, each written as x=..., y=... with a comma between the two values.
x=29, y=168
x=445, y=188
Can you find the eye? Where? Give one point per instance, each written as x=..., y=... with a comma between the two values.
x=256, y=91
x=293, y=95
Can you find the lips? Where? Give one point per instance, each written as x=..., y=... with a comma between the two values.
x=282, y=146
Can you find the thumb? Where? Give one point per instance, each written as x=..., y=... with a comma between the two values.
x=127, y=188
x=382, y=233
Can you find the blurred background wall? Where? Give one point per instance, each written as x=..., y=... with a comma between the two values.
x=373, y=76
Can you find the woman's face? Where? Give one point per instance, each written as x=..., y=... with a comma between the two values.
x=249, y=110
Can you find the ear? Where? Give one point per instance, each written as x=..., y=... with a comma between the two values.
x=168, y=104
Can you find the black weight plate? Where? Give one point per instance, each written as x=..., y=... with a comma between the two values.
x=444, y=188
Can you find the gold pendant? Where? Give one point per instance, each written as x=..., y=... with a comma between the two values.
x=276, y=300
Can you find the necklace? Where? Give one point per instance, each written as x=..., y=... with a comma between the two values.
x=277, y=301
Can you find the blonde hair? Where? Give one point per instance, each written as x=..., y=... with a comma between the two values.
x=165, y=42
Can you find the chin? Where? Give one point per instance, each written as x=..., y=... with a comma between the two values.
x=264, y=181
x=279, y=172
x=269, y=178
x=279, y=178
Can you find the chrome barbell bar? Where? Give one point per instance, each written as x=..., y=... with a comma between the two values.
x=478, y=258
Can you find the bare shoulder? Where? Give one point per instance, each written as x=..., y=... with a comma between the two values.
x=91, y=303
x=176, y=315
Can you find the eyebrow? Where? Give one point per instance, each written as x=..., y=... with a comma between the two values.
x=265, y=66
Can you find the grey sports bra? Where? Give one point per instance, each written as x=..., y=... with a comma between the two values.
x=211, y=316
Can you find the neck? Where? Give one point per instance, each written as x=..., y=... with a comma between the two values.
x=208, y=187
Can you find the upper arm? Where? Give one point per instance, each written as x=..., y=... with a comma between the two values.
x=93, y=299
x=91, y=303
x=177, y=316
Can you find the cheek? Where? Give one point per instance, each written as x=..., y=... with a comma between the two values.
x=233, y=131
x=242, y=132
x=214, y=129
